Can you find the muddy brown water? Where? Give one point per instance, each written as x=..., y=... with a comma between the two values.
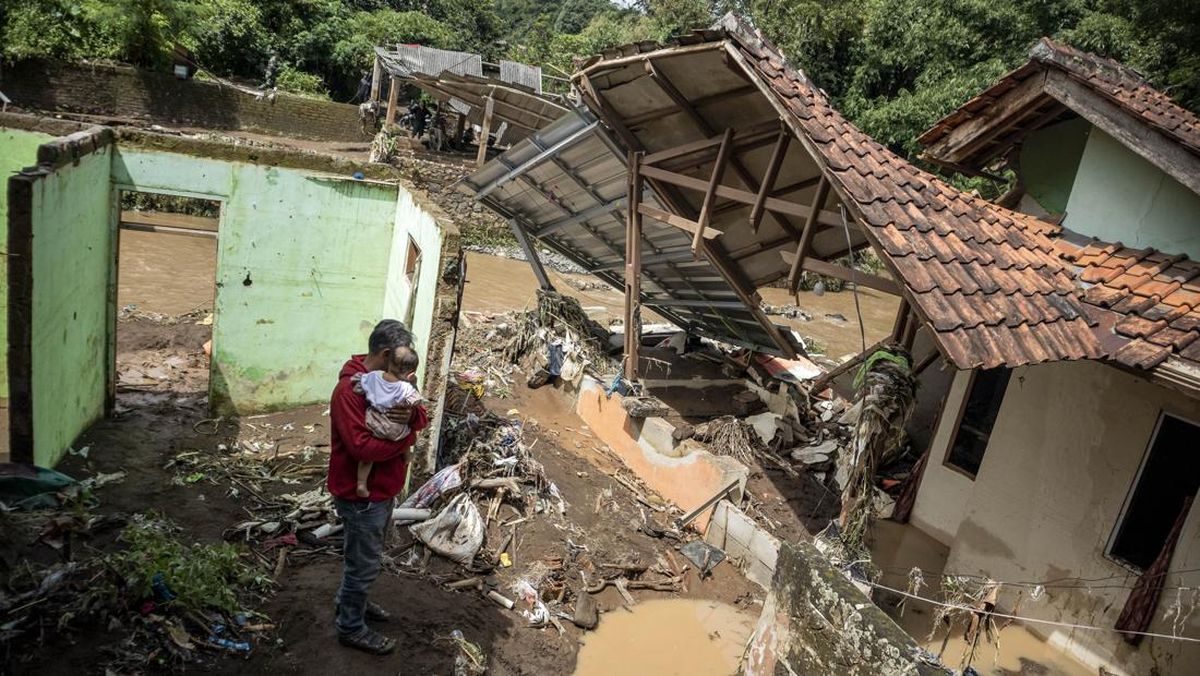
x=896, y=549
x=666, y=637
x=166, y=273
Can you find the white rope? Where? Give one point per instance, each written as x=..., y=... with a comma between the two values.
x=1066, y=625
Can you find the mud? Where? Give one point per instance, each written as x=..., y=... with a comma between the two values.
x=705, y=639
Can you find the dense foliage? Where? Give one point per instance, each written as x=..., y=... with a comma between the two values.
x=893, y=66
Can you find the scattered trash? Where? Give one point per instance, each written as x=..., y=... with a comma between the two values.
x=456, y=532
x=703, y=555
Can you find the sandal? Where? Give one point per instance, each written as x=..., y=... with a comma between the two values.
x=369, y=642
x=377, y=612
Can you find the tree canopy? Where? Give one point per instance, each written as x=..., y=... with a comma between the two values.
x=892, y=66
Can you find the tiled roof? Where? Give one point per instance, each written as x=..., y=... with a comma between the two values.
x=1110, y=79
x=988, y=280
x=1155, y=297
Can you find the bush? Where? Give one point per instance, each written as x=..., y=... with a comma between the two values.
x=299, y=82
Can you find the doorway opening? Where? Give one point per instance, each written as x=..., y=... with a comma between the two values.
x=165, y=293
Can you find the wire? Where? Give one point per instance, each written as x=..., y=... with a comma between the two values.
x=1051, y=584
x=1034, y=620
x=862, y=329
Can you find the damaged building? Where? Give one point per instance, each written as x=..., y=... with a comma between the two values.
x=1062, y=395
x=299, y=235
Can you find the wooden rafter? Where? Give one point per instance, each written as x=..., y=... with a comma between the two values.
x=820, y=267
x=768, y=182
x=710, y=194
x=707, y=129
x=806, y=238
x=773, y=204
x=705, y=149
x=633, y=269
x=685, y=224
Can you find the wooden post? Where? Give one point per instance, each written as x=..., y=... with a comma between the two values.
x=710, y=195
x=485, y=129
x=806, y=236
x=901, y=322
x=633, y=269
x=376, y=78
x=768, y=182
x=393, y=94
x=459, y=130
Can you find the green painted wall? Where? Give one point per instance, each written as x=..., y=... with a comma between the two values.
x=1118, y=196
x=1049, y=160
x=302, y=265
x=413, y=222
x=18, y=149
x=72, y=259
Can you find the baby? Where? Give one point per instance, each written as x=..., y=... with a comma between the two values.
x=384, y=390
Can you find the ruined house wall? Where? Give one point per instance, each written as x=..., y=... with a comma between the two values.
x=1063, y=455
x=18, y=149
x=301, y=268
x=814, y=621
x=120, y=91
x=59, y=294
x=1120, y=197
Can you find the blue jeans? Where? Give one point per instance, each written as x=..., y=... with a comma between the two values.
x=363, y=525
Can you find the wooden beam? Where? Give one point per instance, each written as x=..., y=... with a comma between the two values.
x=708, y=130
x=635, y=120
x=742, y=289
x=820, y=267
x=393, y=95
x=711, y=192
x=806, y=237
x=376, y=78
x=633, y=269
x=958, y=145
x=768, y=182
x=485, y=131
x=1161, y=151
x=722, y=209
x=902, y=317
x=680, y=222
x=823, y=381
x=774, y=204
x=745, y=137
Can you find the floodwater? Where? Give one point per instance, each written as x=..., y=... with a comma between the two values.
x=667, y=636
x=166, y=273
x=896, y=548
x=497, y=284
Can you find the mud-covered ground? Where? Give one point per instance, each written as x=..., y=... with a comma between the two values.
x=162, y=412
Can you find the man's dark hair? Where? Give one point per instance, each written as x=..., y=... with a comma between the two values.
x=388, y=335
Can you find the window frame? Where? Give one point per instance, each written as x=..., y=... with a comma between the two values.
x=1119, y=522
x=958, y=419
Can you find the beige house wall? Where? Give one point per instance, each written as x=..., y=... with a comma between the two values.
x=1067, y=445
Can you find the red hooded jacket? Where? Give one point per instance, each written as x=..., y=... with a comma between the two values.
x=351, y=443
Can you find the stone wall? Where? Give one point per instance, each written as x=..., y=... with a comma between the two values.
x=815, y=621
x=480, y=226
x=123, y=92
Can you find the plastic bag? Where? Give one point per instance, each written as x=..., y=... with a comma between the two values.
x=444, y=481
x=456, y=533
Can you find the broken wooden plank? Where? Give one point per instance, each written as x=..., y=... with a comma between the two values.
x=768, y=182
x=677, y=221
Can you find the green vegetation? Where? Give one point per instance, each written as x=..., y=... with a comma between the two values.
x=892, y=66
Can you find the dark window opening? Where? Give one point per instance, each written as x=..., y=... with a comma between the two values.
x=978, y=417
x=1168, y=478
x=412, y=270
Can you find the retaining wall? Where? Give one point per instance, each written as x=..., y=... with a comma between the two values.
x=121, y=91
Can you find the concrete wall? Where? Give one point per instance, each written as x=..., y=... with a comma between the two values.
x=18, y=149
x=944, y=492
x=61, y=237
x=302, y=264
x=418, y=225
x=1120, y=197
x=687, y=475
x=748, y=545
x=1049, y=161
x=1063, y=455
x=814, y=621
x=125, y=92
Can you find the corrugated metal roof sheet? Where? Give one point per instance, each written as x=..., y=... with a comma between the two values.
x=566, y=186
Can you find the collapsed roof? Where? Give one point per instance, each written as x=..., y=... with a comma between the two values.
x=456, y=79
x=738, y=146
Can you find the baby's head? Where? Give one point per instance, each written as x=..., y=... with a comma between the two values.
x=403, y=363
